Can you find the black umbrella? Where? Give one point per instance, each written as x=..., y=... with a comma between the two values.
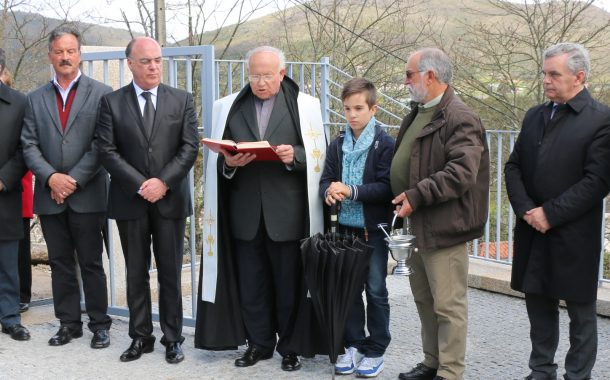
x=335, y=267
x=306, y=337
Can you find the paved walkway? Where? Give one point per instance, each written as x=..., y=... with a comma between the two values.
x=498, y=348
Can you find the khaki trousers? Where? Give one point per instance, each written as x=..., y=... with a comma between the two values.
x=439, y=284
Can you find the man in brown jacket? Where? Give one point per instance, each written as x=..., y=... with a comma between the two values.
x=440, y=179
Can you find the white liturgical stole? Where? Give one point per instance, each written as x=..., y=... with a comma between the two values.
x=312, y=130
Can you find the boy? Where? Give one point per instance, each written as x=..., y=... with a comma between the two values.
x=357, y=174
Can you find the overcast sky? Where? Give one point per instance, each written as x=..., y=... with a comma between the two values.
x=104, y=11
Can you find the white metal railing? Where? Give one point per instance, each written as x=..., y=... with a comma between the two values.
x=195, y=69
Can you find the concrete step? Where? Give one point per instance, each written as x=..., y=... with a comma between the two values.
x=495, y=277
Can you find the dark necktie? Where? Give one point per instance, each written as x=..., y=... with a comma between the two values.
x=149, y=113
x=553, y=110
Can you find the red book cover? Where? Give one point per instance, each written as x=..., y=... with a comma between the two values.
x=263, y=150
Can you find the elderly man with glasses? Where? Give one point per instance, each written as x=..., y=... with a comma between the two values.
x=263, y=211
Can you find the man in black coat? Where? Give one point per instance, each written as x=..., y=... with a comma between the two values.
x=254, y=215
x=148, y=142
x=266, y=205
x=12, y=168
x=556, y=178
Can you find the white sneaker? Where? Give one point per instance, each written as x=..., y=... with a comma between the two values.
x=348, y=362
x=370, y=367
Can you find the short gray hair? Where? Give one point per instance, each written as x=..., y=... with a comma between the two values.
x=435, y=60
x=267, y=49
x=62, y=31
x=578, y=57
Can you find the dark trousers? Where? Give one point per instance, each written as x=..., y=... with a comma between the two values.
x=543, y=313
x=269, y=277
x=25, y=264
x=9, y=283
x=167, y=237
x=65, y=234
x=377, y=314
x=106, y=237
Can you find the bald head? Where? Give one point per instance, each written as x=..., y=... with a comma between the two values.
x=138, y=40
x=145, y=62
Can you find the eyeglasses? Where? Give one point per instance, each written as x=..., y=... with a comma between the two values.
x=256, y=78
x=148, y=61
x=410, y=74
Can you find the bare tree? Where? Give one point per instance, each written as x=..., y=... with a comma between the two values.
x=498, y=59
x=197, y=16
x=24, y=32
x=362, y=37
x=370, y=38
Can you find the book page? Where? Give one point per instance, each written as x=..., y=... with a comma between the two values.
x=220, y=142
x=253, y=144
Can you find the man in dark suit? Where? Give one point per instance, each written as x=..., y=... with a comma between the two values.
x=268, y=212
x=12, y=168
x=148, y=142
x=71, y=187
x=556, y=178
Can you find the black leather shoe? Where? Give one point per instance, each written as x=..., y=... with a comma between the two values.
x=17, y=332
x=23, y=307
x=419, y=372
x=542, y=377
x=173, y=353
x=65, y=335
x=101, y=339
x=138, y=346
x=291, y=362
x=252, y=356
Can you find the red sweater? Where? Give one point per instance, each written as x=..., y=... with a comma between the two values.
x=27, y=196
x=64, y=112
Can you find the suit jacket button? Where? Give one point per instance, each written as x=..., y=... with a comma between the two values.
x=149, y=150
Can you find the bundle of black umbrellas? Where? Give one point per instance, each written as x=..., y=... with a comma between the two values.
x=335, y=267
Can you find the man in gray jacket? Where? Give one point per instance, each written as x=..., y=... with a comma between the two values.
x=440, y=179
x=71, y=187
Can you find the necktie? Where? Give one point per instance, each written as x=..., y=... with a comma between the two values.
x=553, y=110
x=149, y=113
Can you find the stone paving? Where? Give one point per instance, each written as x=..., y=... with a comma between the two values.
x=498, y=348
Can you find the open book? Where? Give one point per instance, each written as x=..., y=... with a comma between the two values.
x=263, y=150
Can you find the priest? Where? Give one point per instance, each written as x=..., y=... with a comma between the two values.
x=256, y=212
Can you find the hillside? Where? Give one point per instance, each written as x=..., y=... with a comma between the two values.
x=448, y=18
x=495, y=46
x=27, y=49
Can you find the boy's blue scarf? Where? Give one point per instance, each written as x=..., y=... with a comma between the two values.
x=355, y=153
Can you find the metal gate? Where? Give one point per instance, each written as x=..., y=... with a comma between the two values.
x=191, y=69
x=195, y=69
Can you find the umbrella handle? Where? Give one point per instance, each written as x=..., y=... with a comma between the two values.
x=334, y=211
